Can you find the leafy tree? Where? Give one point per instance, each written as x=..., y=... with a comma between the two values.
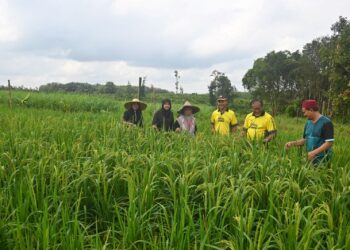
x=220, y=85
x=321, y=71
x=110, y=88
x=339, y=70
x=129, y=90
x=272, y=78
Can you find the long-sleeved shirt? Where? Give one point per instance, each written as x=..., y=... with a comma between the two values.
x=164, y=120
x=133, y=116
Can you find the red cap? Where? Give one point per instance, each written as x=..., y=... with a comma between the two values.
x=309, y=104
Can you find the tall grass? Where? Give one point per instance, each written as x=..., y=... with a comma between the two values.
x=84, y=181
x=65, y=102
x=75, y=102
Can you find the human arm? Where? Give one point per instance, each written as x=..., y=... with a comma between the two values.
x=245, y=127
x=233, y=124
x=213, y=128
x=233, y=128
x=171, y=125
x=326, y=145
x=328, y=134
x=270, y=136
x=296, y=143
x=271, y=129
x=155, y=121
x=243, y=132
x=177, y=127
x=212, y=123
x=126, y=116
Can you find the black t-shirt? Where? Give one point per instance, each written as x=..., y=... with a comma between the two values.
x=134, y=117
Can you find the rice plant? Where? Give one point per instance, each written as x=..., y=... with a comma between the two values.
x=82, y=180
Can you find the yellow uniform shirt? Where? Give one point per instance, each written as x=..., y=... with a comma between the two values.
x=223, y=121
x=259, y=127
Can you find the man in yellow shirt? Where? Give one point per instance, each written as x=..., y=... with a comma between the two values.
x=259, y=125
x=223, y=120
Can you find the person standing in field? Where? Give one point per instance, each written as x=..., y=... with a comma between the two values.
x=318, y=134
x=223, y=120
x=163, y=119
x=259, y=125
x=133, y=113
x=186, y=122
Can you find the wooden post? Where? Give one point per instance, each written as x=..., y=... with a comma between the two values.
x=140, y=82
x=10, y=94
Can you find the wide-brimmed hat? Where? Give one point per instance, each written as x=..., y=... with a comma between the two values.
x=142, y=105
x=187, y=104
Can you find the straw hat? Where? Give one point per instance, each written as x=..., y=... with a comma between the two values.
x=187, y=104
x=142, y=105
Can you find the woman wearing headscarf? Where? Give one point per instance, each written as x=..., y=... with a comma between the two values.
x=133, y=113
x=186, y=122
x=163, y=119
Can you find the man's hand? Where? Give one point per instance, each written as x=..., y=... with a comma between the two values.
x=129, y=124
x=289, y=145
x=311, y=156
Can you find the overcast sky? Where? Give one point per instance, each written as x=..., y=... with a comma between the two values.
x=119, y=40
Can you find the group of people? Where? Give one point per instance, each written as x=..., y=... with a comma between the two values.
x=258, y=125
x=163, y=119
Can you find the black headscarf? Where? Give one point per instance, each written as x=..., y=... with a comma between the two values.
x=164, y=119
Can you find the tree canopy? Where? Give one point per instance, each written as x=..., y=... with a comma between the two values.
x=220, y=85
x=320, y=71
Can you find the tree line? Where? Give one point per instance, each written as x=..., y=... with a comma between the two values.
x=107, y=88
x=320, y=71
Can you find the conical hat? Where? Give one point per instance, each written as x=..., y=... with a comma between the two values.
x=142, y=105
x=187, y=104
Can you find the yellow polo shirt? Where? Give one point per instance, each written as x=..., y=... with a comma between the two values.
x=223, y=121
x=259, y=127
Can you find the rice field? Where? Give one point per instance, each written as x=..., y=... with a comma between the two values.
x=82, y=180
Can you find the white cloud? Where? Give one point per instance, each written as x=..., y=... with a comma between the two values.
x=8, y=30
x=120, y=40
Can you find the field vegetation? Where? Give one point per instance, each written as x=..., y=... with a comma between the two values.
x=77, y=178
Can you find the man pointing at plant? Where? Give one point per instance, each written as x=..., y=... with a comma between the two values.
x=318, y=134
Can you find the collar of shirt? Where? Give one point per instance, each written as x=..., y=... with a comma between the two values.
x=262, y=114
